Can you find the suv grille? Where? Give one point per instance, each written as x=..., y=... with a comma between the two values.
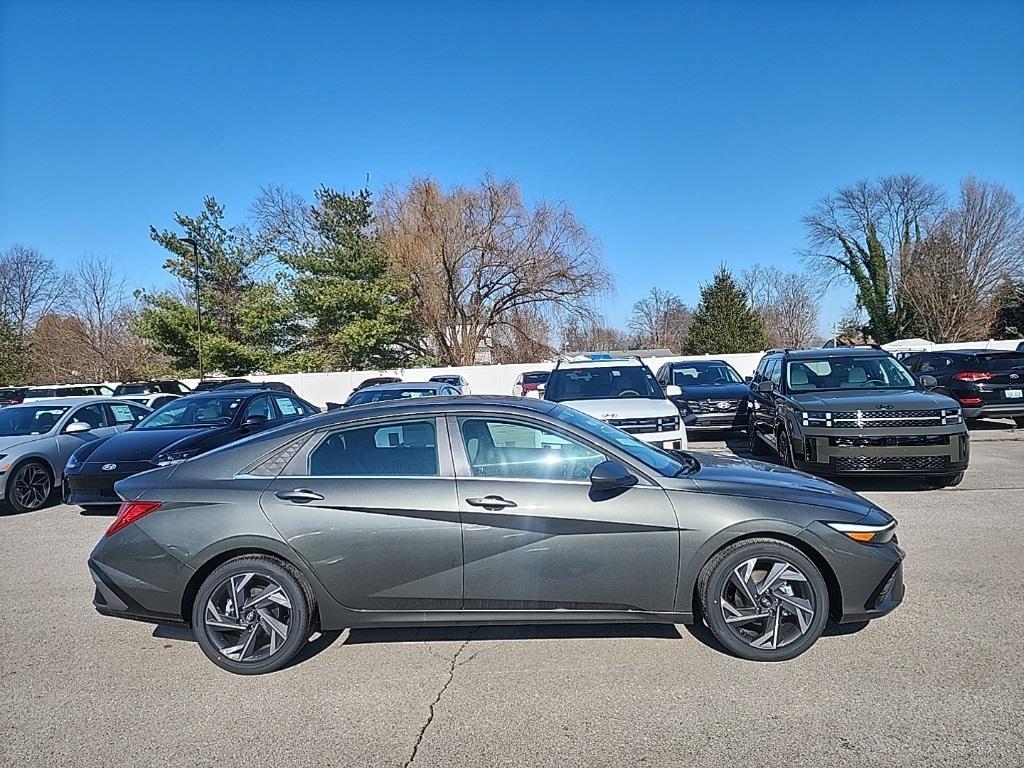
x=890, y=440
x=713, y=406
x=635, y=425
x=888, y=419
x=877, y=463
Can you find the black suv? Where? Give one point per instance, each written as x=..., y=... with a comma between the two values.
x=712, y=391
x=855, y=411
x=984, y=382
x=155, y=387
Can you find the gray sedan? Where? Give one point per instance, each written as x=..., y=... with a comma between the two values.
x=37, y=438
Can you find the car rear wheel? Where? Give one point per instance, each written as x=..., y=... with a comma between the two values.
x=30, y=486
x=1019, y=421
x=755, y=444
x=763, y=599
x=252, y=615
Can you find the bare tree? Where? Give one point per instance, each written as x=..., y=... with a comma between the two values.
x=476, y=257
x=660, y=320
x=864, y=232
x=952, y=278
x=586, y=335
x=523, y=337
x=30, y=285
x=789, y=303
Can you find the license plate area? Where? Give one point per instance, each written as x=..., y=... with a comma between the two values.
x=1013, y=394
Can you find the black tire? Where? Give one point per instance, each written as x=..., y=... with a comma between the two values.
x=944, y=481
x=35, y=473
x=1019, y=421
x=786, y=458
x=755, y=444
x=299, y=619
x=714, y=581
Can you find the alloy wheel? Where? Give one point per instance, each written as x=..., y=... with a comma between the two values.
x=767, y=603
x=248, y=617
x=31, y=487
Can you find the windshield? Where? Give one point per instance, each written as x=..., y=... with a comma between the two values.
x=29, y=419
x=447, y=380
x=704, y=375
x=193, y=412
x=380, y=395
x=660, y=461
x=602, y=382
x=1004, y=362
x=881, y=372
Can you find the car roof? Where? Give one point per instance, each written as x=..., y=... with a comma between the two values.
x=615, y=362
x=971, y=352
x=817, y=354
x=403, y=385
x=427, y=405
x=692, y=360
x=76, y=400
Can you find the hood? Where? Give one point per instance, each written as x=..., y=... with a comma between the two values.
x=871, y=400
x=624, y=408
x=6, y=443
x=145, y=444
x=716, y=392
x=734, y=476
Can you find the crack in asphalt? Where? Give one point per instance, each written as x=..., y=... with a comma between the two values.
x=452, y=664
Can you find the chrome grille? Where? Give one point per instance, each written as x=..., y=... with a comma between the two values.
x=888, y=463
x=634, y=426
x=861, y=419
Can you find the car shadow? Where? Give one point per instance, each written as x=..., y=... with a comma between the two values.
x=319, y=642
x=700, y=632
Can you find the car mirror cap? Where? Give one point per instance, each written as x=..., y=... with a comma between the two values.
x=77, y=427
x=766, y=386
x=611, y=476
x=254, y=420
x=673, y=390
x=928, y=382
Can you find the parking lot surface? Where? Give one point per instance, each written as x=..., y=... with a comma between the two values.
x=937, y=683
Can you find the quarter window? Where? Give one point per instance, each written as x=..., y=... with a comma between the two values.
x=290, y=407
x=125, y=414
x=398, y=449
x=507, y=449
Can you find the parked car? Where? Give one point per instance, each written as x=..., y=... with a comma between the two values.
x=375, y=381
x=37, y=438
x=855, y=411
x=459, y=382
x=154, y=387
x=33, y=394
x=12, y=395
x=405, y=390
x=622, y=392
x=530, y=384
x=482, y=510
x=276, y=386
x=151, y=401
x=208, y=385
x=984, y=382
x=179, y=430
x=712, y=390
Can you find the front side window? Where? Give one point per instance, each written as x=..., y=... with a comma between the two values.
x=704, y=375
x=260, y=407
x=602, y=383
x=826, y=373
x=508, y=449
x=93, y=415
x=188, y=412
x=29, y=419
x=398, y=449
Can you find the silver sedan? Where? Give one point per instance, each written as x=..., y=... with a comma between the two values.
x=37, y=438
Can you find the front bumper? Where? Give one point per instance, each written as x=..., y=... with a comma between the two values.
x=90, y=485
x=670, y=441
x=913, y=451
x=720, y=421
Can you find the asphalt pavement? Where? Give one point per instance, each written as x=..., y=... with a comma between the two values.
x=937, y=683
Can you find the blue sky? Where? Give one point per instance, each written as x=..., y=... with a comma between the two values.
x=682, y=134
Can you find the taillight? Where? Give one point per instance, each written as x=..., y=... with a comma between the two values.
x=970, y=400
x=973, y=376
x=129, y=512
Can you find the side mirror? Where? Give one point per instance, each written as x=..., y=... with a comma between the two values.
x=611, y=476
x=748, y=379
x=673, y=390
x=689, y=419
x=77, y=427
x=334, y=406
x=255, y=420
x=928, y=382
x=766, y=386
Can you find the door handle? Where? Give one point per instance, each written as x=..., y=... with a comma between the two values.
x=299, y=496
x=490, y=502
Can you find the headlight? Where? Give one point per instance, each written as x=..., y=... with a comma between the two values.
x=951, y=416
x=816, y=419
x=866, y=534
x=74, y=461
x=174, y=457
x=668, y=423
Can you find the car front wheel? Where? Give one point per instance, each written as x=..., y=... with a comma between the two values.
x=763, y=599
x=30, y=486
x=252, y=615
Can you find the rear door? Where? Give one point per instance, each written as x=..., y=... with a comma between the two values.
x=371, y=507
x=535, y=535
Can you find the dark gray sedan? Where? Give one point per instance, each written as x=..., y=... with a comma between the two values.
x=484, y=510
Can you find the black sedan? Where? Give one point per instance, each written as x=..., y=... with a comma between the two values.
x=177, y=431
x=986, y=382
x=712, y=391
x=486, y=510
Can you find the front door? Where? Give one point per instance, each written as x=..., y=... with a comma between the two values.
x=372, y=509
x=537, y=537
x=100, y=423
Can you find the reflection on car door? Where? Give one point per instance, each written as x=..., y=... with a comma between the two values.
x=763, y=416
x=536, y=537
x=372, y=508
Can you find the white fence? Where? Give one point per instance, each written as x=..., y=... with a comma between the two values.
x=335, y=387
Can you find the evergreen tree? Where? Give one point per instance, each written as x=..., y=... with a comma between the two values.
x=1009, y=318
x=724, y=322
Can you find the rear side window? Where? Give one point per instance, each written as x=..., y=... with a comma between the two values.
x=401, y=448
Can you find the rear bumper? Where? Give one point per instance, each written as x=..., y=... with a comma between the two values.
x=1006, y=409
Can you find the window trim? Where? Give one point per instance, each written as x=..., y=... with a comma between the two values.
x=298, y=467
